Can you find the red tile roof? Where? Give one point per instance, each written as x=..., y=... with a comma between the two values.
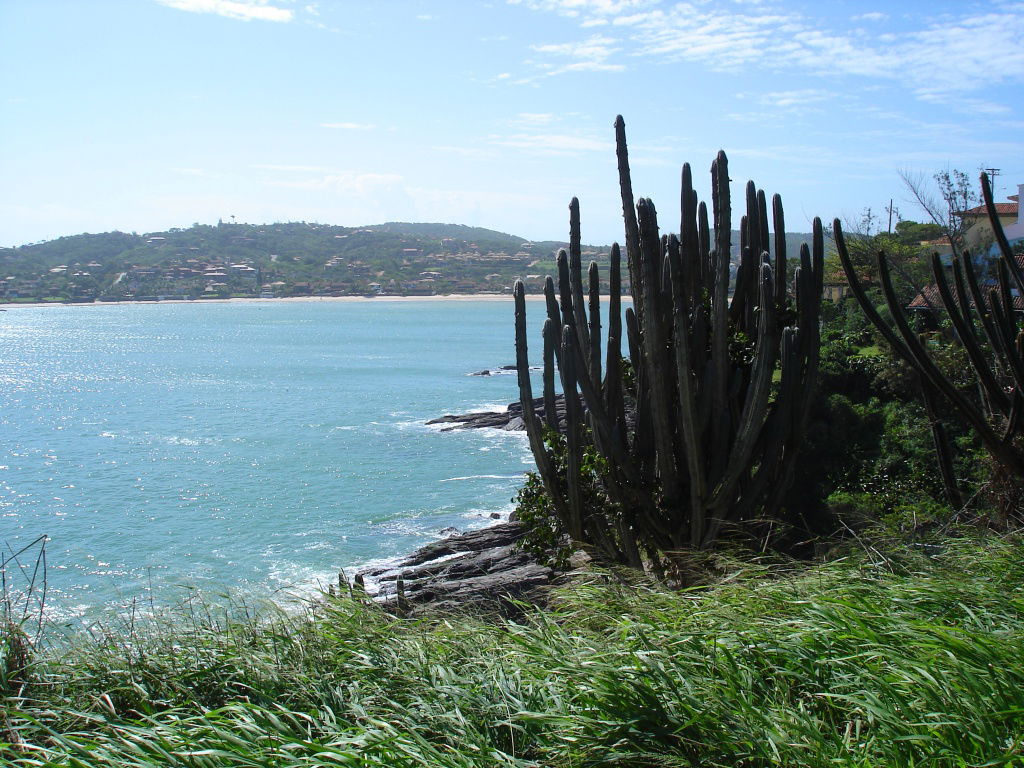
x=936, y=301
x=1003, y=209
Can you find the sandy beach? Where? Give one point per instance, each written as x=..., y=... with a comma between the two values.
x=447, y=297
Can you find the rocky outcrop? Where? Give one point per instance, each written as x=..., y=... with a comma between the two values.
x=510, y=420
x=478, y=570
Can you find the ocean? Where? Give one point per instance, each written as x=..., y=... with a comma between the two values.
x=249, y=449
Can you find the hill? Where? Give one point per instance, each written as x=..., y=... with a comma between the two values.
x=283, y=259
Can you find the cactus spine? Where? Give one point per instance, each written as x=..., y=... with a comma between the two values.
x=702, y=436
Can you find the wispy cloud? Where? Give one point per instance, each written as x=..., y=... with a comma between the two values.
x=244, y=10
x=347, y=182
x=941, y=55
x=870, y=16
x=197, y=172
x=533, y=119
x=289, y=168
x=798, y=98
x=576, y=8
x=474, y=152
x=590, y=55
x=349, y=126
x=552, y=143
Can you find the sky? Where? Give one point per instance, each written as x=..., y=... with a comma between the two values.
x=142, y=115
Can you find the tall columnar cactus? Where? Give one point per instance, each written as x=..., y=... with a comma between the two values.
x=705, y=432
x=990, y=331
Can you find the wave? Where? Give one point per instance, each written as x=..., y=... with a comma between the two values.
x=483, y=477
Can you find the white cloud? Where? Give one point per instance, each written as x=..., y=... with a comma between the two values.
x=245, y=10
x=473, y=152
x=289, y=168
x=197, y=172
x=870, y=16
x=590, y=55
x=942, y=56
x=348, y=181
x=534, y=118
x=794, y=99
x=552, y=143
x=349, y=126
x=574, y=8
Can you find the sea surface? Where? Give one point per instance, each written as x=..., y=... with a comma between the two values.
x=250, y=449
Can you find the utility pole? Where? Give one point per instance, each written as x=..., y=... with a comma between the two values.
x=890, y=209
x=992, y=173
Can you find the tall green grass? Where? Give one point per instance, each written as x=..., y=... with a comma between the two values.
x=915, y=660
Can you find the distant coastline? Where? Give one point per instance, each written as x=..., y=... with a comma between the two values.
x=290, y=299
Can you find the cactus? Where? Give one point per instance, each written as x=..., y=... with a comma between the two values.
x=989, y=330
x=702, y=436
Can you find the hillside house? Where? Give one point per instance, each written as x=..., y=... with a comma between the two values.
x=978, y=228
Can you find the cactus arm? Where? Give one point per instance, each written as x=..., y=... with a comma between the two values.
x=573, y=425
x=1013, y=420
x=551, y=301
x=613, y=377
x=688, y=420
x=963, y=297
x=762, y=218
x=778, y=455
x=866, y=305
x=1000, y=236
x=941, y=442
x=565, y=289
x=719, y=307
x=545, y=467
x=628, y=214
x=1003, y=313
x=594, y=280
x=550, y=345
x=579, y=307
x=981, y=307
x=656, y=348
x=921, y=360
x=754, y=408
x=642, y=447
x=779, y=225
x=689, y=239
x=554, y=315
x=704, y=244
x=964, y=329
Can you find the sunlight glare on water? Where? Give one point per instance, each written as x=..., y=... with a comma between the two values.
x=251, y=447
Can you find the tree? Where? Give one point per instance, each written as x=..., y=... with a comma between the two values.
x=956, y=194
x=907, y=257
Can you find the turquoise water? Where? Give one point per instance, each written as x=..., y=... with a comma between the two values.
x=250, y=448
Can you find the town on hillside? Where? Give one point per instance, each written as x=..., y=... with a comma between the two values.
x=277, y=260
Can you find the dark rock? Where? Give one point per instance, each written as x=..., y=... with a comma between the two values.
x=515, y=424
x=511, y=419
x=478, y=569
x=481, y=373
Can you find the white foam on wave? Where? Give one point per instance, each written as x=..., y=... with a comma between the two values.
x=483, y=477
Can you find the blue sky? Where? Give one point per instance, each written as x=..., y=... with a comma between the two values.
x=148, y=114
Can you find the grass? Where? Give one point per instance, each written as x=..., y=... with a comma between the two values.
x=912, y=659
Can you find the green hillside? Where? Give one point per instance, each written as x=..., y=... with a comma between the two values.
x=284, y=259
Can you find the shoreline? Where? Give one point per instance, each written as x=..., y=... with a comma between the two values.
x=279, y=299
